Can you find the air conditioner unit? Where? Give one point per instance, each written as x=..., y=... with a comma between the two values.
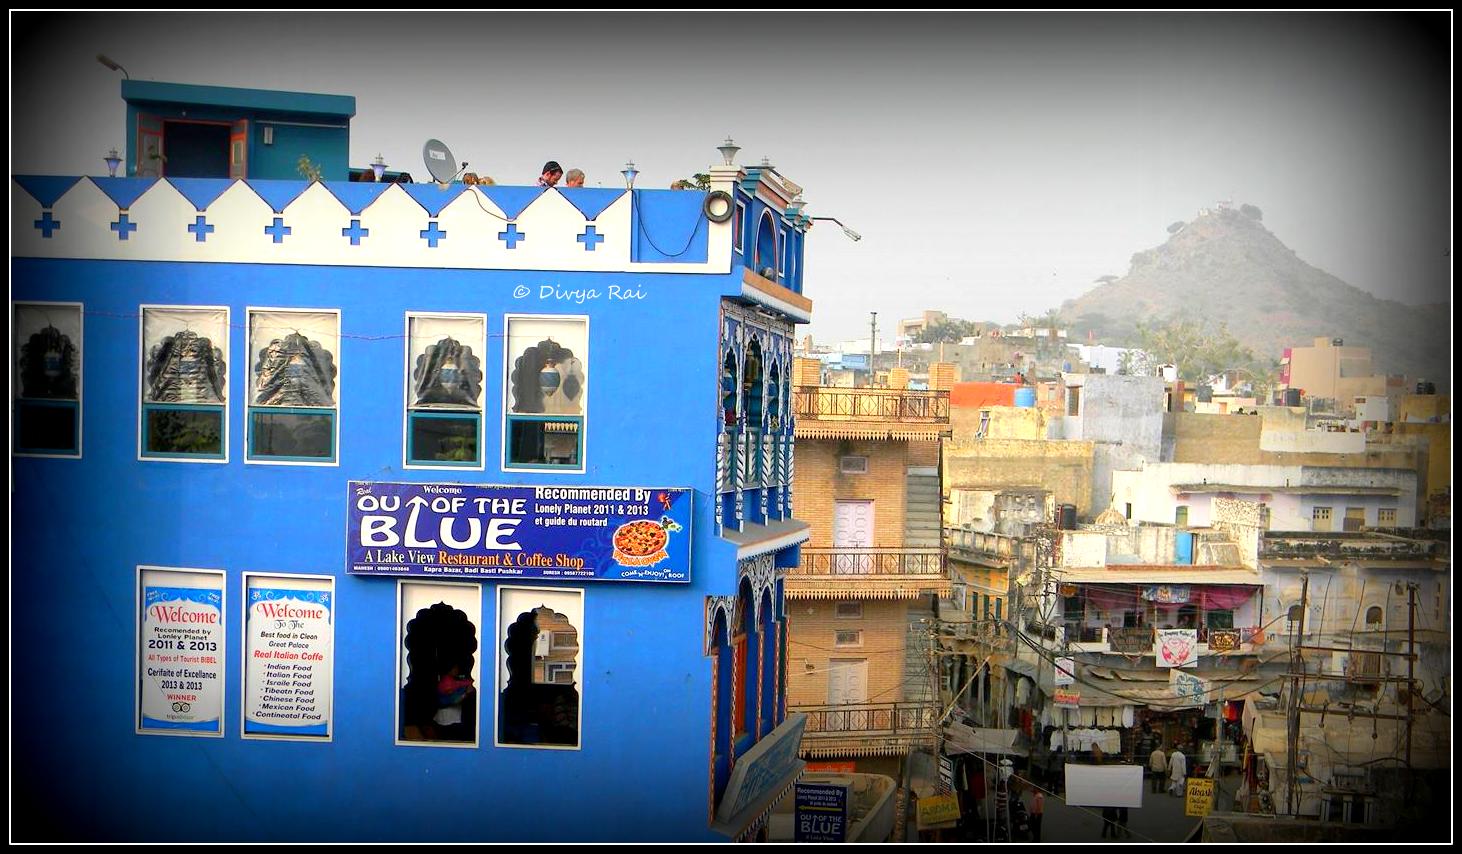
x=542, y=644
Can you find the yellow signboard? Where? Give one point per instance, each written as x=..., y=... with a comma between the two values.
x=1199, y=801
x=938, y=811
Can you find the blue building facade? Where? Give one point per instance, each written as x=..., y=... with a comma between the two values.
x=224, y=390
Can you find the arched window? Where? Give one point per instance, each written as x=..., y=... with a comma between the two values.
x=774, y=398
x=1374, y=618
x=728, y=389
x=751, y=385
x=438, y=702
x=540, y=704
x=744, y=653
x=768, y=661
x=721, y=736
x=764, y=260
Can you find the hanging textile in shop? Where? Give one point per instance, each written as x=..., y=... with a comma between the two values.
x=1177, y=647
x=1225, y=640
x=1170, y=594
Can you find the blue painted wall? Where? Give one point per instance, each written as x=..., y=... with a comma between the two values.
x=82, y=526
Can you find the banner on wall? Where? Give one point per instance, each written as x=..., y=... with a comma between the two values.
x=1177, y=647
x=1065, y=673
x=289, y=659
x=578, y=533
x=1226, y=640
x=1192, y=690
x=181, y=657
x=1167, y=594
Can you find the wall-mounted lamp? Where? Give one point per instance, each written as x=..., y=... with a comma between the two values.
x=728, y=151
x=629, y=172
x=852, y=235
x=378, y=166
x=112, y=64
x=113, y=160
x=269, y=134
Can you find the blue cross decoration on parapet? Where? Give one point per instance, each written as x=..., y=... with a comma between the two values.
x=591, y=238
x=432, y=234
x=512, y=236
x=201, y=229
x=47, y=225
x=278, y=230
x=123, y=227
x=355, y=232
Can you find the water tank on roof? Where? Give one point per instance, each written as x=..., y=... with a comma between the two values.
x=1025, y=396
x=1066, y=517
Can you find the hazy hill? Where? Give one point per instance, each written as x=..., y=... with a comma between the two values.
x=1226, y=266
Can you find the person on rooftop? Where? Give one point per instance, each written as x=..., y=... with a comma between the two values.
x=573, y=178
x=551, y=173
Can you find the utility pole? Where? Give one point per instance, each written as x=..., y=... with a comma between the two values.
x=1410, y=681
x=1296, y=670
x=872, y=345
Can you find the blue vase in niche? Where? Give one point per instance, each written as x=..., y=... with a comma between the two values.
x=548, y=379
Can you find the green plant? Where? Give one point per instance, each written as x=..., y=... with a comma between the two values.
x=698, y=181
x=308, y=168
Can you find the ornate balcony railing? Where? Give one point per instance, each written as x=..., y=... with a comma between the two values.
x=913, y=719
x=825, y=403
x=981, y=546
x=851, y=562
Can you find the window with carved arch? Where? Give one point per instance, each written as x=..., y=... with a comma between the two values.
x=294, y=378
x=444, y=389
x=729, y=388
x=752, y=393
x=540, y=667
x=184, y=413
x=547, y=392
x=46, y=347
x=764, y=257
x=774, y=397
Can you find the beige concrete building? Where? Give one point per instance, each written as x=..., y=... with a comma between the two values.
x=1330, y=370
x=867, y=483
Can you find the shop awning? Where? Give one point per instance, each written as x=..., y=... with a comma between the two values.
x=761, y=778
x=1153, y=574
x=961, y=738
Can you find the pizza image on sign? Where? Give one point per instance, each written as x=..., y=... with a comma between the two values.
x=643, y=542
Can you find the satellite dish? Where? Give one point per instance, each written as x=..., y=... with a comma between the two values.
x=439, y=161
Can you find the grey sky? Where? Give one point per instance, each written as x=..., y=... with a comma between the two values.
x=994, y=164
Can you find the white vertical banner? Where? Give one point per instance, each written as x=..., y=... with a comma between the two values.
x=289, y=656
x=180, y=651
x=1177, y=647
x=1065, y=671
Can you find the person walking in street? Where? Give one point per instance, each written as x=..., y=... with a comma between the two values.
x=1038, y=811
x=1177, y=772
x=1157, y=768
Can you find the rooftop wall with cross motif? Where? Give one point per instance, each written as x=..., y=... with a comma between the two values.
x=364, y=224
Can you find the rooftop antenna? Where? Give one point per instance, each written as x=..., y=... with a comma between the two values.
x=439, y=162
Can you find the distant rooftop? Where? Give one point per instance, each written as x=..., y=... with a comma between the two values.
x=265, y=100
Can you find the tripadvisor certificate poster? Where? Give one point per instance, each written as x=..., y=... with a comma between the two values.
x=181, y=653
x=289, y=656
